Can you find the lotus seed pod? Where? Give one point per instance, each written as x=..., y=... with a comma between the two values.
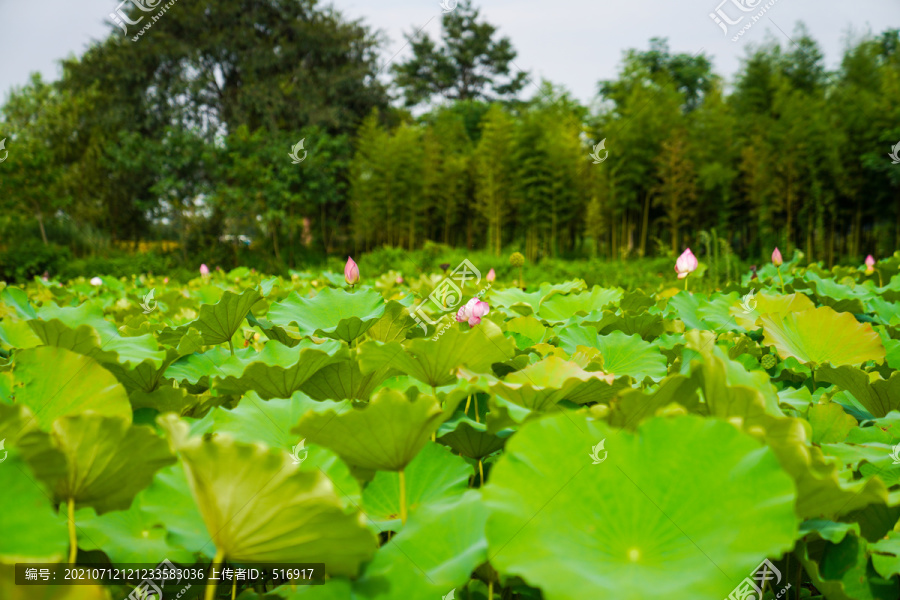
x=516, y=259
x=768, y=361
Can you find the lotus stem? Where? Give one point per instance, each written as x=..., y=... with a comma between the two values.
x=210, y=585
x=403, y=497
x=780, y=279
x=491, y=590
x=880, y=281
x=521, y=279
x=477, y=420
x=434, y=393
x=685, y=284
x=234, y=588
x=468, y=403
x=481, y=471
x=231, y=346
x=73, y=536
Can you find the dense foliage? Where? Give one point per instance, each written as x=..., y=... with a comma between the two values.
x=572, y=442
x=184, y=135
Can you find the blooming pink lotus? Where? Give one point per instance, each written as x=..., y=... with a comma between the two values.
x=686, y=264
x=491, y=276
x=472, y=312
x=351, y=272
x=204, y=270
x=777, y=260
x=870, y=264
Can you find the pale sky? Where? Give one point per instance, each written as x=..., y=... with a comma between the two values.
x=575, y=43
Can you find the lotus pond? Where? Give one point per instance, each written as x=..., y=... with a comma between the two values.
x=569, y=443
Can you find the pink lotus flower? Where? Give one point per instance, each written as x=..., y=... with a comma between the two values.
x=686, y=264
x=473, y=311
x=166, y=280
x=870, y=264
x=777, y=260
x=351, y=272
x=491, y=276
x=204, y=270
x=398, y=281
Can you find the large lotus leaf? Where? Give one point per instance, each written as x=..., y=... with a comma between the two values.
x=17, y=334
x=886, y=555
x=14, y=304
x=765, y=303
x=634, y=406
x=541, y=385
x=648, y=326
x=108, y=460
x=333, y=313
x=878, y=396
x=622, y=354
x=559, y=308
x=259, y=508
x=436, y=552
x=128, y=536
x=433, y=475
x=168, y=502
x=436, y=363
x=705, y=516
x=78, y=383
x=392, y=326
x=218, y=322
x=32, y=529
x=83, y=329
x=821, y=335
x=527, y=331
x=471, y=438
x=385, y=434
x=343, y=380
x=842, y=571
x=830, y=423
x=525, y=303
x=887, y=313
x=255, y=420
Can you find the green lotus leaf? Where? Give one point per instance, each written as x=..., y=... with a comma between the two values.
x=128, y=536
x=435, y=474
x=770, y=304
x=831, y=531
x=622, y=354
x=541, y=385
x=385, y=434
x=887, y=313
x=830, y=423
x=577, y=529
x=527, y=331
x=635, y=301
x=219, y=322
x=527, y=303
x=471, y=438
x=634, y=406
x=14, y=304
x=392, y=326
x=436, y=363
x=886, y=555
x=343, y=380
x=78, y=384
x=842, y=572
x=32, y=529
x=83, y=329
x=648, y=326
x=241, y=491
x=559, y=308
x=821, y=335
x=17, y=334
x=436, y=552
x=332, y=313
x=167, y=501
x=108, y=460
x=878, y=396
x=164, y=399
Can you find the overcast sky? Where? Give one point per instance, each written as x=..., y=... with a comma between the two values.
x=575, y=43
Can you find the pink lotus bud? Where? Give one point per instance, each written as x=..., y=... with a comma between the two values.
x=686, y=264
x=491, y=276
x=776, y=257
x=398, y=281
x=166, y=280
x=870, y=264
x=472, y=312
x=204, y=270
x=351, y=272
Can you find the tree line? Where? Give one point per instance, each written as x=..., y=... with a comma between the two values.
x=186, y=134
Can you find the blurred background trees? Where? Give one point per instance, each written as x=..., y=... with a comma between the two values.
x=185, y=137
